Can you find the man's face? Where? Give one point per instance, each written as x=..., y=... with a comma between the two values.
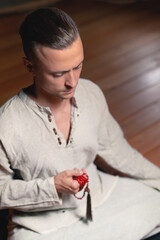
x=57, y=71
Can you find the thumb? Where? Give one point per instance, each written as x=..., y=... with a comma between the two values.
x=77, y=172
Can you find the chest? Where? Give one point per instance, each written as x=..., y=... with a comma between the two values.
x=38, y=152
x=63, y=123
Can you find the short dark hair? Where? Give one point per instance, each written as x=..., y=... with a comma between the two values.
x=49, y=27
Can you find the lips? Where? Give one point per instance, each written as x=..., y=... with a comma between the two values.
x=68, y=91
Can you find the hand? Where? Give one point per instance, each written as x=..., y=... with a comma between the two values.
x=64, y=182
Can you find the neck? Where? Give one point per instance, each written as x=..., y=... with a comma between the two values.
x=46, y=100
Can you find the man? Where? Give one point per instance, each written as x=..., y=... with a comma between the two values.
x=52, y=131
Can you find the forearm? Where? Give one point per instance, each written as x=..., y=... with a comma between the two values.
x=105, y=167
x=37, y=194
x=34, y=195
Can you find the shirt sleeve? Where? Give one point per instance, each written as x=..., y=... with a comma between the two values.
x=35, y=195
x=118, y=153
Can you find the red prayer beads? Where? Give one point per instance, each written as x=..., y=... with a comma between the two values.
x=82, y=180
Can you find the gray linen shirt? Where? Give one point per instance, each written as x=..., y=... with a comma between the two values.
x=33, y=151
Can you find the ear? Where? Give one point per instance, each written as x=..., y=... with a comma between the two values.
x=28, y=64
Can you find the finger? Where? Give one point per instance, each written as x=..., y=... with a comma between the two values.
x=77, y=172
x=74, y=172
x=75, y=186
x=76, y=191
x=69, y=173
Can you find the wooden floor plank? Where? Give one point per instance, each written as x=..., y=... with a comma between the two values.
x=141, y=120
x=148, y=140
x=7, y=42
x=10, y=72
x=136, y=103
x=117, y=35
x=126, y=47
x=10, y=54
x=132, y=87
x=154, y=155
x=113, y=76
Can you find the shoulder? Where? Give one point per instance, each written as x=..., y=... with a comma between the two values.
x=90, y=92
x=9, y=113
x=88, y=85
x=8, y=106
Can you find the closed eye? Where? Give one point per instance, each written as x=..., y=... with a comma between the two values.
x=78, y=67
x=60, y=74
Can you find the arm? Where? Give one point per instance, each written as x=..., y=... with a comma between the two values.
x=34, y=195
x=116, y=151
x=105, y=167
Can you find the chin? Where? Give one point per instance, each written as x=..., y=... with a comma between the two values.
x=68, y=94
x=67, y=97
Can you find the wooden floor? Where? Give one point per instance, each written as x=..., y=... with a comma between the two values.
x=122, y=55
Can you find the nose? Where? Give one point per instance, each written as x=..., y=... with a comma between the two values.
x=71, y=80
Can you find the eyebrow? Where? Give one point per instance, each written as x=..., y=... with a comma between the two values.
x=65, y=71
